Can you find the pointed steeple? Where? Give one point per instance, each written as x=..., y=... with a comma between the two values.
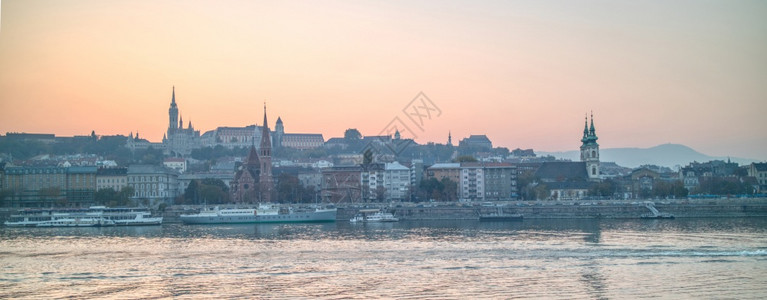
x=449, y=138
x=591, y=130
x=266, y=143
x=252, y=158
x=173, y=113
x=181, y=122
x=190, y=124
x=265, y=178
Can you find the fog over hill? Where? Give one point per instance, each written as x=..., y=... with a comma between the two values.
x=667, y=155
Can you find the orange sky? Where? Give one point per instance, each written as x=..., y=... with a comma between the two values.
x=524, y=73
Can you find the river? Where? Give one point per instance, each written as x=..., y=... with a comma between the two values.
x=564, y=259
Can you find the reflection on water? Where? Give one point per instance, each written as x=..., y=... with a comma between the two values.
x=595, y=259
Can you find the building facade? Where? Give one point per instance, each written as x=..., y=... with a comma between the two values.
x=500, y=181
x=114, y=178
x=440, y=171
x=472, y=184
x=759, y=171
x=175, y=163
x=50, y=186
x=396, y=182
x=342, y=184
x=245, y=188
x=35, y=186
x=153, y=184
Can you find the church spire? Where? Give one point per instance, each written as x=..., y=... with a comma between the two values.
x=266, y=143
x=265, y=178
x=591, y=130
x=173, y=113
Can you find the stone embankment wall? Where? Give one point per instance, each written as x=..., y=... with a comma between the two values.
x=684, y=209
x=717, y=208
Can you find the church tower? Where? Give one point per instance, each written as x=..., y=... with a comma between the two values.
x=590, y=149
x=267, y=185
x=279, y=132
x=173, y=113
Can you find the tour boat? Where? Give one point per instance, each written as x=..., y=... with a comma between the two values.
x=499, y=215
x=261, y=214
x=88, y=217
x=373, y=216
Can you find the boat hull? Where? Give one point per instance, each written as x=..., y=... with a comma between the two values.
x=501, y=218
x=296, y=217
x=657, y=217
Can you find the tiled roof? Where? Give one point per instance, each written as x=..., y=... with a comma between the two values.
x=562, y=171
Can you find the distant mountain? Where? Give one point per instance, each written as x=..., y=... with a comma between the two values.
x=667, y=155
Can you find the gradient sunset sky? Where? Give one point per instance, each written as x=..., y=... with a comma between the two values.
x=523, y=72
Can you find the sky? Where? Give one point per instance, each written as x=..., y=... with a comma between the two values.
x=525, y=73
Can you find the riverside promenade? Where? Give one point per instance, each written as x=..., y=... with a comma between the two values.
x=582, y=209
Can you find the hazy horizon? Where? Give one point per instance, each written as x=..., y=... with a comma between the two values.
x=523, y=73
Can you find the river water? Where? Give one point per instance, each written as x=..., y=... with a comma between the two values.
x=566, y=259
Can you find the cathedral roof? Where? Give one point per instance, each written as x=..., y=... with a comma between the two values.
x=252, y=158
x=562, y=171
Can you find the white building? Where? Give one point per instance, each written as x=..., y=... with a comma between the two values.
x=157, y=184
x=396, y=181
x=175, y=163
x=472, y=182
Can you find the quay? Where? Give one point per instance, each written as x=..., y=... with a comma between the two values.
x=583, y=209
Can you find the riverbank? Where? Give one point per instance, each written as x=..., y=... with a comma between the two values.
x=607, y=209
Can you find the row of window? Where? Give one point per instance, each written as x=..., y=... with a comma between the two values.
x=146, y=178
x=110, y=180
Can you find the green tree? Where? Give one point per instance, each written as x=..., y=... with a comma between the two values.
x=450, y=192
x=606, y=188
x=288, y=188
x=105, y=196
x=352, y=134
x=367, y=158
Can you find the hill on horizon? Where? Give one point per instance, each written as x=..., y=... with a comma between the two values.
x=667, y=155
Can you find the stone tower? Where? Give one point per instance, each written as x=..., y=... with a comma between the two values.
x=279, y=132
x=590, y=149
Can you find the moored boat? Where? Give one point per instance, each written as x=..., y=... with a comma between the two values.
x=499, y=215
x=82, y=217
x=373, y=216
x=261, y=214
